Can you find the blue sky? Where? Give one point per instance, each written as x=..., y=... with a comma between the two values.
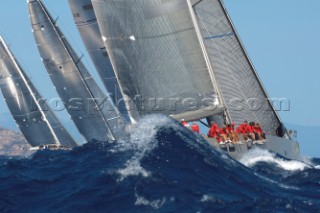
x=282, y=39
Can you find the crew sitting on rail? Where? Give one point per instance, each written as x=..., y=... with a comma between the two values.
x=260, y=135
x=223, y=134
x=185, y=123
x=250, y=131
x=242, y=130
x=214, y=132
x=232, y=134
x=195, y=128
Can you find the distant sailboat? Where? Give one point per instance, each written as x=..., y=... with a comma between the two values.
x=185, y=58
x=36, y=121
x=87, y=25
x=74, y=84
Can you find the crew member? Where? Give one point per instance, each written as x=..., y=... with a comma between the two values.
x=185, y=123
x=214, y=132
x=259, y=132
x=195, y=128
x=249, y=131
x=223, y=134
x=232, y=134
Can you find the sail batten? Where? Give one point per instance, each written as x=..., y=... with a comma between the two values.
x=36, y=121
x=88, y=107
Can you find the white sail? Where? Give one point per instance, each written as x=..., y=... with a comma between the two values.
x=159, y=64
x=92, y=112
x=36, y=121
x=86, y=22
x=239, y=84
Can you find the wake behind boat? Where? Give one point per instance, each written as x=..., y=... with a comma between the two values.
x=180, y=58
x=185, y=59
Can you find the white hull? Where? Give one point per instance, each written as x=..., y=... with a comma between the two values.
x=286, y=148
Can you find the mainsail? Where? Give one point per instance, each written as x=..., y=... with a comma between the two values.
x=92, y=112
x=86, y=22
x=183, y=49
x=239, y=84
x=158, y=63
x=36, y=121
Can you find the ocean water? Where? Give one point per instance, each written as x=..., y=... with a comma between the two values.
x=158, y=167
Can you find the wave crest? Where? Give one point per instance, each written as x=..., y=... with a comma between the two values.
x=257, y=155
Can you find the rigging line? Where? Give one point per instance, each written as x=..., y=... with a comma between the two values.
x=32, y=93
x=204, y=123
x=73, y=38
x=219, y=36
x=221, y=3
x=204, y=51
x=211, y=70
x=226, y=64
x=63, y=41
x=109, y=45
x=16, y=53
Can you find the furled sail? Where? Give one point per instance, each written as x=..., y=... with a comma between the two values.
x=86, y=22
x=158, y=63
x=239, y=84
x=92, y=112
x=36, y=121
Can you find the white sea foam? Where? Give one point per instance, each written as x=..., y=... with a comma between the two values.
x=142, y=134
x=132, y=168
x=207, y=198
x=155, y=204
x=141, y=141
x=259, y=155
x=317, y=167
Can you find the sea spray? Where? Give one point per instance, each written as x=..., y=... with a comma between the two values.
x=257, y=155
x=142, y=141
x=177, y=172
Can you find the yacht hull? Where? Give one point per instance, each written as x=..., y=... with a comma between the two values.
x=284, y=147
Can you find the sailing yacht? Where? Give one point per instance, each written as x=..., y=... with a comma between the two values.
x=93, y=113
x=88, y=28
x=36, y=121
x=184, y=58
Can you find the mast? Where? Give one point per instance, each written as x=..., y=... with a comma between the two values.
x=154, y=49
x=86, y=22
x=239, y=84
x=248, y=59
x=111, y=136
x=32, y=94
x=46, y=129
x=205, y=53
x=65, y=68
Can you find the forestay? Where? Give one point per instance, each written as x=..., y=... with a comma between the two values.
x=86, y=22
x=36, y=120
x=156, y=55
x=92, y=112
x=239, y=84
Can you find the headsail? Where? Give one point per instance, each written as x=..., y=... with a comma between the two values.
x=159, y=65
x=239, y=84
x=86, y=22
x=94, y=115
x=36, y=121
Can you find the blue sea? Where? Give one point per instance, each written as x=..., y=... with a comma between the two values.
x=158, y=167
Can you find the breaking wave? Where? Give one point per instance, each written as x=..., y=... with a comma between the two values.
x=158, y=167
x=257, y=155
